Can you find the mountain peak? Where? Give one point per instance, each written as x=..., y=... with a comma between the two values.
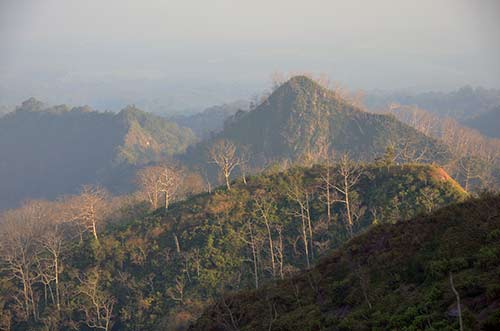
x=32, y=104
x=302, y=83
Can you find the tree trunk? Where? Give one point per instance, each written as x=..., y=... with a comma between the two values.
x=304, y=237
x=348, y=207
x=459, y=308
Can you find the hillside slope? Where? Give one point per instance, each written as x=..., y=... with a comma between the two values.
x=210, y=120
x=157, y=270
x=393, y=277
x=47, y=152
x=203, y=245
x=301, y=119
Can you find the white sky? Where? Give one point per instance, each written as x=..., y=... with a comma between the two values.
x=182, y=53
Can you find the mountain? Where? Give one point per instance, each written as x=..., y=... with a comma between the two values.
x=394, y=277
x=487, y=123
x=300, y=118
x=50, y=151
x=211, y=120
x=462, y=104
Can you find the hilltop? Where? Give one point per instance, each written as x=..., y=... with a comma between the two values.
x=51, y=151
x=395, y=276
x=301, y=120
x=202, y=247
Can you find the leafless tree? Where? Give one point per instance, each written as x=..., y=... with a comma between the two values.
x=350, y=174
x=169, y=182
x=96, y=304
x=176, y=292
x=244, y=162
x=457, y=296
x=327, y=179
x=300, y=195
x=252, y=239
x=280, y=256
x=52, y=240
x=90, y=208
x=223, y=154
x=149, y=184
x=160, y=180
x=19, y=232
x=469, y=170
x=265, y=211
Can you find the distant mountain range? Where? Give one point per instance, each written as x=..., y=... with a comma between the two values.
x=462, y=104
x=47, y=152
x=487, y=123
x=50, y=151
x=211, y=120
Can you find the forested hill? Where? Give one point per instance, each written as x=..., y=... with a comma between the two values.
x=303, y=120
x=395, y=277
x=51, y=151
x=157, y=270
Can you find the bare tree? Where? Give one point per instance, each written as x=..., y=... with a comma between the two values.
x=176, y=292
x=52, y=240
x=251, y=238
x=265, y=210
x=19, y=232
x=244, y=161
x=457, y=296
x=468, y=170
x=96, y=304
x=280, y=256
x=301, y=196
x=149, y=184
x=90, y=208
x=327, y=179
x=223, y=154
x=169, y=181
x=349, y=173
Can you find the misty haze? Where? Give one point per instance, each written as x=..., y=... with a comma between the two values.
x=261, y=165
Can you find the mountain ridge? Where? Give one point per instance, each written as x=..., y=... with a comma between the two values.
x=52, y=151
x=302, y=119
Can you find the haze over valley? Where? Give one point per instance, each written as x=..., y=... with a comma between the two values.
x=278, y=165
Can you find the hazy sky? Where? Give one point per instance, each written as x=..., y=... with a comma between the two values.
x=185, y=53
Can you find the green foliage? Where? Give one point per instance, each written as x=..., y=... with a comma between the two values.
x=169, y=263
x=370, y=283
